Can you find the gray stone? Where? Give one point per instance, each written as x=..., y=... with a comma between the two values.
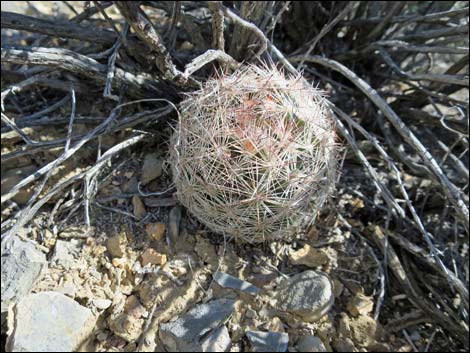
x=152, y=168
x=21, y=266
x=185, y=333
x=65, y=253
x=310, y=343
x=49, y=322
x=308, y=294
x=102, y=304
x=268, y=341
x=218, y=341
x=228, y=281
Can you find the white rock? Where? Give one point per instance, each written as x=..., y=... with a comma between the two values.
x=102, y=304
x=308, y=294
x=21, y=267
x=50, y=322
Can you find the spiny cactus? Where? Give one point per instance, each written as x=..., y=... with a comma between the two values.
x=254, y=154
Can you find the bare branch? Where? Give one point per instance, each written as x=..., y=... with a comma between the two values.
x=218, y=41
x=80, y=64
x=144, y=28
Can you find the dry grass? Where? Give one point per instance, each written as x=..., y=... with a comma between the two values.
x=255, y=154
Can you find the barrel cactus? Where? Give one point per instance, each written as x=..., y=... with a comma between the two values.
x=254, y=154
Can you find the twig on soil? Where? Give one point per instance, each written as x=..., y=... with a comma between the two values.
x=29, y=212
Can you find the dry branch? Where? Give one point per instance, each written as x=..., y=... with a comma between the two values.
x=80, y=64
x=449, y=188
x=144, y=28
x=58, y=28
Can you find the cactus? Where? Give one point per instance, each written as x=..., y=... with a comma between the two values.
x=254, y=155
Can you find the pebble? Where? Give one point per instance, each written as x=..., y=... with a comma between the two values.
x=150, y=256
x=275, y=324
x=218, y=341
x=139, y=207
x=308, y=256
x=50, y=322
x=102, y=336
x=151, y=169
x=65, y=252
x=184, y=334
x=308, y=294
x=364, y=330
x=360, y=304
x=309, y=343
x=338, y=287
x=126, y=326
x=102, y=304
x=21, y=267
x=117, y=245
x=344, y=345
x=155, y=231
x=268, y=341
x=228, y=281
x=174, y=220
x=134, y=307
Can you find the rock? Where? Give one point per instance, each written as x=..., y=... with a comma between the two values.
x=117, y=245
x=50, y=322
x=379, y=347
x=174, y=220
x=308, y=256
x=21, y=268
x=228, y=281
x=134, y=307
x=126, y=326
x=344, y=345
x=337, y=287
x=65, y=252
x=128, y=322
x=268, y=341
x=152, y=257
x=307, y=294
x=139, y=207
x=102, y=336
x=184, y=334
x=155, y=231
x=102, y=304
x=310, y=343
x=360, y=305
x=344, y=327
x=218, y=341
x=151, y=169
x=364, y=330
x=131, y=185
x=275, y=325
